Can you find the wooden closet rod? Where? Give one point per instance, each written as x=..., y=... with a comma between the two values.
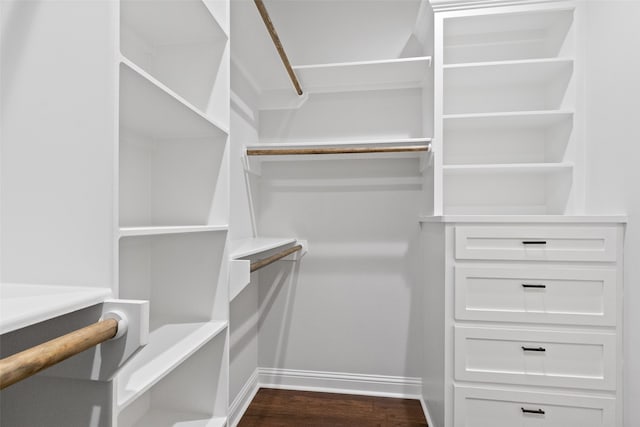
x=335, y=150
x=33, y=360
x=276, y=41
x=273, y=258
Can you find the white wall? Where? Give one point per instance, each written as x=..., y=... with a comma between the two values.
x=613, y=151
x=57, y=127
x=351, y=305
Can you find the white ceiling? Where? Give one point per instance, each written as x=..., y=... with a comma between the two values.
x=320, y=31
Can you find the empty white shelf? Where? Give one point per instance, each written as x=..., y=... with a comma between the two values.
x=172, y=22
x=506, y=73
x=154, y=231
x=26, y=304
x=253, y=246
x=166, y=418
x=168, y=347
x=364, y=75
x=571, y=219
x=503, y=120
x=528, y=168
x=147, y=104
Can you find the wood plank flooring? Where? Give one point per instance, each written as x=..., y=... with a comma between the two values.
x=288, y=408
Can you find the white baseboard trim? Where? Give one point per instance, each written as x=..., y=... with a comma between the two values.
x=425, y=409
x=243, y=399
x=335, y=382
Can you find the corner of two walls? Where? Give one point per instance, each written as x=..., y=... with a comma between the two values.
x=612, y=135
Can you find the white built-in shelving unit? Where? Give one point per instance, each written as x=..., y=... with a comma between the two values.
x=174, y=209
x=505, y=104
x=364, y=75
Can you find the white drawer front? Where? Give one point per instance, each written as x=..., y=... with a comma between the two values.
x=536, y=243
x=536, y=294
x=544, y=358
x=476, y=407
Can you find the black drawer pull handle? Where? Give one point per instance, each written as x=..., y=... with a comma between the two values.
x=534, y=242
x=533, y=411
x=533, y=349
x=526, y=285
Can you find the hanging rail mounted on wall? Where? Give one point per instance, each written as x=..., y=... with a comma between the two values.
x=29, y=362
x=273, y=258
x=336, y=150
x=276, y=41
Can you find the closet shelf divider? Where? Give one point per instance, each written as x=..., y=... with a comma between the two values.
x=168, y=347
x=511, y=168
x=174, y=105
x=399, y=73
x=507, y=119
x=168, y=418
x=178, y=229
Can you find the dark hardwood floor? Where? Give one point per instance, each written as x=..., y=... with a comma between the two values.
x=285, y=408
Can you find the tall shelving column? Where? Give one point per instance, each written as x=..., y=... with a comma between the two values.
x=173, y=186
x=507, y=117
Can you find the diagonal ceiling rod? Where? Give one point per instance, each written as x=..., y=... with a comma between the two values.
x=276, y=41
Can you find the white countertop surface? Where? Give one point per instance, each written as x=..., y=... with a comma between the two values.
x=576, y=219
x=26, y=304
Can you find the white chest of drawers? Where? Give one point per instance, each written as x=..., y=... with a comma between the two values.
x=523, y=321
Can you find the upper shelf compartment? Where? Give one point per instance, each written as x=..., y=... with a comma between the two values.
x=146, y=104
x=509, y=36
x=182, y=44
x=364, y=75
x=526, y=85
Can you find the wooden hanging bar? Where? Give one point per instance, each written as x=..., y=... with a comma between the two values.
x=35, y=359
x=273, y=258
x=335, y=150
x=276, y=41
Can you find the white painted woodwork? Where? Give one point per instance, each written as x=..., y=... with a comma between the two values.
x=195, y=391
x=24, y=304
x=570, y=359
x=521, y=137
x=187, y=54
x=540, y=294
x=508, y=33
x=518, y=243
x=179, y=229
x=535, y=85
x=506, y=80
x=174, y=189
x=168, y=347
x=481, y=316
x=485, y=407
x=364, y=75
x=123, y=174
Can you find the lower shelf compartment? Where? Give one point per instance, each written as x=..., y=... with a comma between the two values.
x=162, y=418
x=193, y=394
x=538, y=189
x=168, y=347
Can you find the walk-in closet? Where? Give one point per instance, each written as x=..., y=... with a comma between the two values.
x=248, y=213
